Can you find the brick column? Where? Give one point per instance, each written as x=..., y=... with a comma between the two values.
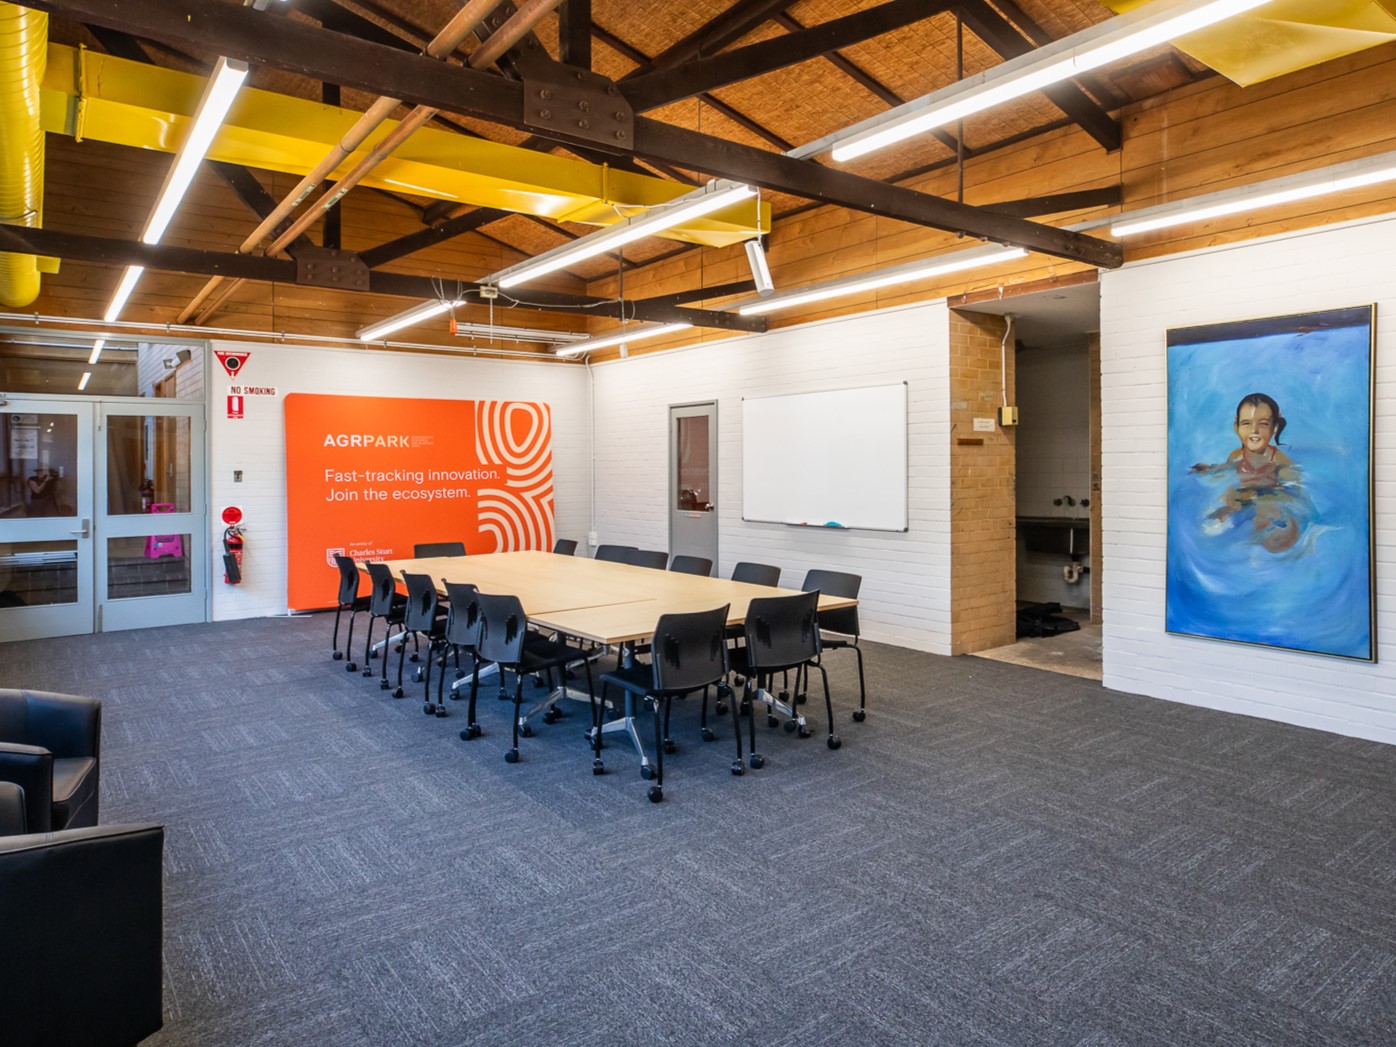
x=983, y=502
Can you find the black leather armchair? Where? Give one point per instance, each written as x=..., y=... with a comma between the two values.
x=82, y=913
x=50, y=746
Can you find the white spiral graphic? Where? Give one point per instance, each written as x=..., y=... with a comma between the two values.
x=516, y=437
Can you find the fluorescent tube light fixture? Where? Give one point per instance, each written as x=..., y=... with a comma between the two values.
x=129, y=279
x=760, y=271
x=1116, y=38
x=406, y=318
x=82, y=382
x=712, y=197
x=96, y=350
x=633, y=334
x=958, y=261
x=222, y=88
x=515, y=334
x=1272, y=192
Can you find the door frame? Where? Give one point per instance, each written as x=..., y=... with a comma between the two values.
x=697, y=408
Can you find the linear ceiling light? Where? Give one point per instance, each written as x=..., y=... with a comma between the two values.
x=633, y=334
x=711, y=197
x=1269, y=193
x=948, y=263
x=515, y=334
x=1116, y=38
x=96, y=350
x=82, y=382
x=221, y=89
x=406, y=318
x=760, y=271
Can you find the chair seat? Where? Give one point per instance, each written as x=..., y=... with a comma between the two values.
x=74, y=792
x=541, y=653
x=360, y=604
x=827, y=640
x=637, y=678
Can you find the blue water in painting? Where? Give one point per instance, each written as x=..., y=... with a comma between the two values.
x=1222, y=582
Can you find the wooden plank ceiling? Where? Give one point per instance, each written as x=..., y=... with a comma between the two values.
x=660, y=51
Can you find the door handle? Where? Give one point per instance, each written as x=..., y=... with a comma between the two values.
x=85, y=530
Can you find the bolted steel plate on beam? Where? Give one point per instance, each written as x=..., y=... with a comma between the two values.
x=327, y=267
x=580, y=105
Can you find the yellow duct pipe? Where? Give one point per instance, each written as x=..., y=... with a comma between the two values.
x=23, y=54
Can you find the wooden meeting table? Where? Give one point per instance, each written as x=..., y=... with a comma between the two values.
x=607, y=603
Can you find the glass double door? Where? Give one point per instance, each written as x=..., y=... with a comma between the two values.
x=103, y=516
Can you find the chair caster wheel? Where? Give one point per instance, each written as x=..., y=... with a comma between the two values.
x=670, y=747
x=367, y=672
x=738, y=768
x=800, y=699
x=512, y=756
x=350, y=667
x=834, y=742
x=398, y=692
x=460, y=674
x=656, y=794
x=428, y=708
x=646, y=771
x=708, y=735
x=338, y=656
x=417, y=675
x=790, y=726
x=384, y=685
x=805, y=732
x=412, y=657
x=471, y=730
x=771, y=721
x=720, y=708
x=552, y=716
x=859, y=716
x=756, y=760
x=441, y=713
x=525, y=730
x=597, y=767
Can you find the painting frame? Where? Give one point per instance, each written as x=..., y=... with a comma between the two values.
x=1270, y=499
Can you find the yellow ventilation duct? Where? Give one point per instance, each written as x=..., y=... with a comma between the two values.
x=1285, y=35
x=23, y=52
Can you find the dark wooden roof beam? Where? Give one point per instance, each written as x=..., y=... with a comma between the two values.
x=734, y=23
x=707, y=74
x=574, y=33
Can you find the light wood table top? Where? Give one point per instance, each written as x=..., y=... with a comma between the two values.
x=607, y=602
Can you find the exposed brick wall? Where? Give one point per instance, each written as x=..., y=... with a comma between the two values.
x=983, y=584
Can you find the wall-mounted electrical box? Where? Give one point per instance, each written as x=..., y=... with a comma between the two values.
x=1008, y=416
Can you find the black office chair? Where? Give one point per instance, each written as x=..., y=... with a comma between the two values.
x=699, y=565
x=757, y=574
x=422, y=550
x=565, y=547
x=462, y=634
x=689, y=654
x=842, y=620
x=421, y=619
x=51, y=747
x=614, y=553
x=505, y=641
x=385, y=602
x=348, y=600
x=654, y=559
x=782, y=633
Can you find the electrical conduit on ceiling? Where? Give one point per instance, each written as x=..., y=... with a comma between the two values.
x=23, y=54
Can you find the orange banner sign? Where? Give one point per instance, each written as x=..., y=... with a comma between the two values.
x=369, y=477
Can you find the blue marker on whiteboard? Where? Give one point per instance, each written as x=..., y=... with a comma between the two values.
x=833, y=523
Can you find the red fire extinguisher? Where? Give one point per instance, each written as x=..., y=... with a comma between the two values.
x=232, y=555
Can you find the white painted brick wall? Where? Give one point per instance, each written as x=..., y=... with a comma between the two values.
x=256, y=443
x=1324, y=269
x=905, y=598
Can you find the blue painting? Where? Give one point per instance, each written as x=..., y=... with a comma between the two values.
x=1270, y=482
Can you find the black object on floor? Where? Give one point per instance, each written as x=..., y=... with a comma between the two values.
x=1044, y=619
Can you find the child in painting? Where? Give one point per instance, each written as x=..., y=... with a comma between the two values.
x=1264, y=475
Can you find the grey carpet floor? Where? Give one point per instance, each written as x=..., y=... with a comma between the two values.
x=999, y=855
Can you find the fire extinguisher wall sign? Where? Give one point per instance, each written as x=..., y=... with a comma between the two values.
x=232, y=554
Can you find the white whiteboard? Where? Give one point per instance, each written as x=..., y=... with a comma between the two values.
x=836, y=457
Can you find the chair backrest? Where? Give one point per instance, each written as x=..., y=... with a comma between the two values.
x=782, y=631
x=614, y=553
x=463, y=615
x=689, y=651
x=503, y=626
x=757, y=574
x=836, y=583
x=655, y=559
x=425, y=549
x=420, y=613
x=348, y=580
x=699, y=565
x=565, y=547
x=380, y=598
